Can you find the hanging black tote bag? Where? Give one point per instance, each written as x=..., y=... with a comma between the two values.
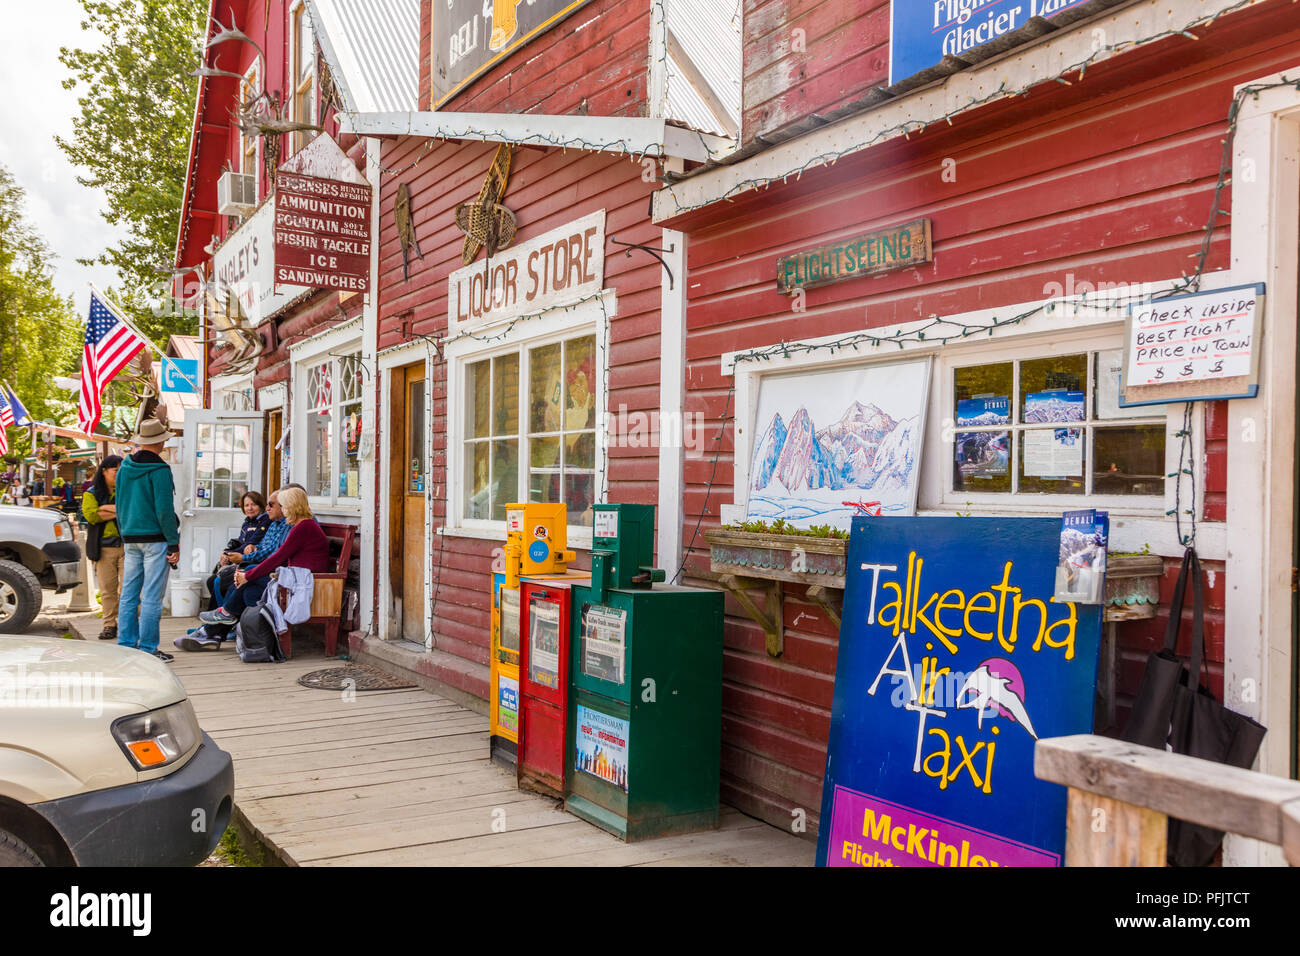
x=1172, y=707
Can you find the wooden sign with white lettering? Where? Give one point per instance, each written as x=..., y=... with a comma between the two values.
x=1193, y=347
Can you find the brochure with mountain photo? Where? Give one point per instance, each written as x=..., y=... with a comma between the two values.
x=1081, y=567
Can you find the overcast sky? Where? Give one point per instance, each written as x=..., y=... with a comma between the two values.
x=34, y=108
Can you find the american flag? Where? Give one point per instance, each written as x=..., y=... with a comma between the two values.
x=17, y=409
x=6, y=419
x=110, y=344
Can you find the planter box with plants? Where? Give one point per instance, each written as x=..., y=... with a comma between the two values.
x=758, y=556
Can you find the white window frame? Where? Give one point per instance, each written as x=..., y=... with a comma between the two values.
x=299, y=9
x=226, y=387
x=938, y=495
x=327, y=346
x=556, y=325
x=253, y=82
x=1071, y=326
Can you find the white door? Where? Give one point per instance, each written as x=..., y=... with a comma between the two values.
x=221, y=458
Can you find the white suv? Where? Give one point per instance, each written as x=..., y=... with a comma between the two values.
x=102, y=761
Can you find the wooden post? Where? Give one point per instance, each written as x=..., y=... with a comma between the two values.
x=1102, y=831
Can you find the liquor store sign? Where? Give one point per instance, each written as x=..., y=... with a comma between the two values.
x=955, y=657
x=899, y=247
x=322, y=232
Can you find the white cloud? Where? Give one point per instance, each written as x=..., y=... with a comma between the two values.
x=34, y=108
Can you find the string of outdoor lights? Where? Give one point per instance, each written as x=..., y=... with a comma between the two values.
x=962, y=330
x=909, y=127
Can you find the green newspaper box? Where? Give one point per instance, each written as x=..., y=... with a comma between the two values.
x=645, y=712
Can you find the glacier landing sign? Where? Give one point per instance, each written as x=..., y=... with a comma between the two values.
x=954, y=659
x=922, y=34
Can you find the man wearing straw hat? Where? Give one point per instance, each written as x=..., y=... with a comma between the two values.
x=150, y=532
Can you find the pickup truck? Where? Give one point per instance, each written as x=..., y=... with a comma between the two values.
x=38, y=549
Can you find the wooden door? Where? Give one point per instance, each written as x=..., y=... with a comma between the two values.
x=408, y=472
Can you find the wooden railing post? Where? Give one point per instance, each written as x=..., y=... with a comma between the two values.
x=1121, y=794
x=1103, y=831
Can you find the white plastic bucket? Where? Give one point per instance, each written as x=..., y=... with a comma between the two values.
x=185, y=597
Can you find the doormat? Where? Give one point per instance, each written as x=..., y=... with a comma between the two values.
x=353, y=677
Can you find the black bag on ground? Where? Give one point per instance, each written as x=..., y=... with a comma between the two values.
x=255, y=639
x=1173, y=707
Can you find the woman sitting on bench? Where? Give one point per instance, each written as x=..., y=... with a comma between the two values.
x=305, y=547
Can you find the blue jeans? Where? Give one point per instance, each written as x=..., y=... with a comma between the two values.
x=144, y=579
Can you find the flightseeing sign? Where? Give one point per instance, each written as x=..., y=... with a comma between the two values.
x=322, y=233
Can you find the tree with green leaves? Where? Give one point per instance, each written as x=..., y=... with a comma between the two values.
x=40, y=336
x=132, y=137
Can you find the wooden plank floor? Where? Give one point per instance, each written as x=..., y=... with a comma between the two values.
x=402, y=777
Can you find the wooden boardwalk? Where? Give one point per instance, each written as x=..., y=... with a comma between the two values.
x=402, y=777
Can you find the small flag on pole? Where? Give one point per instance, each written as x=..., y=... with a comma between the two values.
x=21, y=416
x=110, y=344
x=6, y=419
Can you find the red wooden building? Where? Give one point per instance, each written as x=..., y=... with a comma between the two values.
x=1061, y=175
x=514, y=376
x=288, y=393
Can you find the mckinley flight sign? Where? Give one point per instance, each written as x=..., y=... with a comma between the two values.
x=322, y=232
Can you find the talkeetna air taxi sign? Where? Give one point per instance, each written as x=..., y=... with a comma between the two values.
x=954, y=659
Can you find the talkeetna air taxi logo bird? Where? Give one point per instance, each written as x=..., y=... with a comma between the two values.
x=996, y=685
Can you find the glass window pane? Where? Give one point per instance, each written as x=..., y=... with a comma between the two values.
x=205, y=437
x=545, y=389
x=1052, y=461
x=579, y=495
x=580, y=450
x=983, y=394
x=221, y=495
x=545, y=486
x=478, y=401
x=544, y=453
x=349, y=443
x=318, y=462
x=982, y=461
x=1052, y=389
x=580, y=383
x=204, y=465
x=242, y=436
x=1107, y=367
x=415, y=441
x=203, y=494
x=505, y=476
x=505, y=395
x=1129, y=461
x=477, y=482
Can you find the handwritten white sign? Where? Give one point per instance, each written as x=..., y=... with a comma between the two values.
x=1192, y=338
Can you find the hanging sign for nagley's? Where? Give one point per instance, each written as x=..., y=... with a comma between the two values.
x=322, y=220
x=898, y=247
x=955, y=657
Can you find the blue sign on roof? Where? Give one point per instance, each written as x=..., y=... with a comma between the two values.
x=922, y=34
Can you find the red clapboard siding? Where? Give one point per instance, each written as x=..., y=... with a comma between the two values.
x=548, y=188
x=809, y=56
x=1104, y=183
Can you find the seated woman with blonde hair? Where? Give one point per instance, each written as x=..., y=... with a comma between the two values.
x=305, y=547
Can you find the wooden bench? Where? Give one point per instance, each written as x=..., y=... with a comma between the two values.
x=327, y=591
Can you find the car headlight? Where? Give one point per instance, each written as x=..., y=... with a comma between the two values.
x=159, y=737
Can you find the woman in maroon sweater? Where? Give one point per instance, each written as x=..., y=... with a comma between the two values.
x=305, y=547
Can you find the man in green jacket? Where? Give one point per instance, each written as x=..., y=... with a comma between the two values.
x=150, y=533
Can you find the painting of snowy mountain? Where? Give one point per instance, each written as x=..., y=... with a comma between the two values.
x=830, y=445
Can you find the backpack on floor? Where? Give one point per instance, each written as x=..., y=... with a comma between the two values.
x=255, y=639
